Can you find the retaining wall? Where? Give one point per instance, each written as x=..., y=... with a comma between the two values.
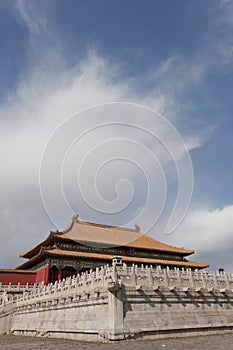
x=120, y=302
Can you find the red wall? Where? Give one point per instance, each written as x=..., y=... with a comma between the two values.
x=17, y=277
x=14, y=277
x=42, y=275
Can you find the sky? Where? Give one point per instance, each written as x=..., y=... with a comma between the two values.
x=159, y=75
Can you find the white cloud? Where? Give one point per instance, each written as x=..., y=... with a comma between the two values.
x=43, y=98
x=206, y=230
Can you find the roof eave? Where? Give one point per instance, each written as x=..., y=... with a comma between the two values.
x=181, y=263
x=30, y=253
x=32, y=260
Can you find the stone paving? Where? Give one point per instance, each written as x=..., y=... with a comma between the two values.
x=213, y=342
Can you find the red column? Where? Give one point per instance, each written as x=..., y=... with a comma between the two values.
x=59, y=273
x=46, y=275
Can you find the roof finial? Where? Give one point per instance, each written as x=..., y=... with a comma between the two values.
x=137, y=228
x=75, y=218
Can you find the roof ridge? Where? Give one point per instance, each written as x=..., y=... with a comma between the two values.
x=75, y=220
x=110, y=226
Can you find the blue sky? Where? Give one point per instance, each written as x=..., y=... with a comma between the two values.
x=176, y=57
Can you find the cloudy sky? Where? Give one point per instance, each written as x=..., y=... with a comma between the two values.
x=58, y=58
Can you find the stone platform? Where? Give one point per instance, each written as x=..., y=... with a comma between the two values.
x=122, y=302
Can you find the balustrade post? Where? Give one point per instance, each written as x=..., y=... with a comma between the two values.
x=133, y=275
x=226, y=280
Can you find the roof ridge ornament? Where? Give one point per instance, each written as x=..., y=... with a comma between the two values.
x=137, y=228
x=75, y=218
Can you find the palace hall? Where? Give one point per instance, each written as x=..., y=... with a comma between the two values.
x=84, y=246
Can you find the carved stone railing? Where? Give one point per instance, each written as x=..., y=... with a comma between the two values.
x=91, y=284
x=78, y=287
x=171, y=279
x=16, y=288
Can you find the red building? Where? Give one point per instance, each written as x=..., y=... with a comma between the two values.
x=83, y=245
